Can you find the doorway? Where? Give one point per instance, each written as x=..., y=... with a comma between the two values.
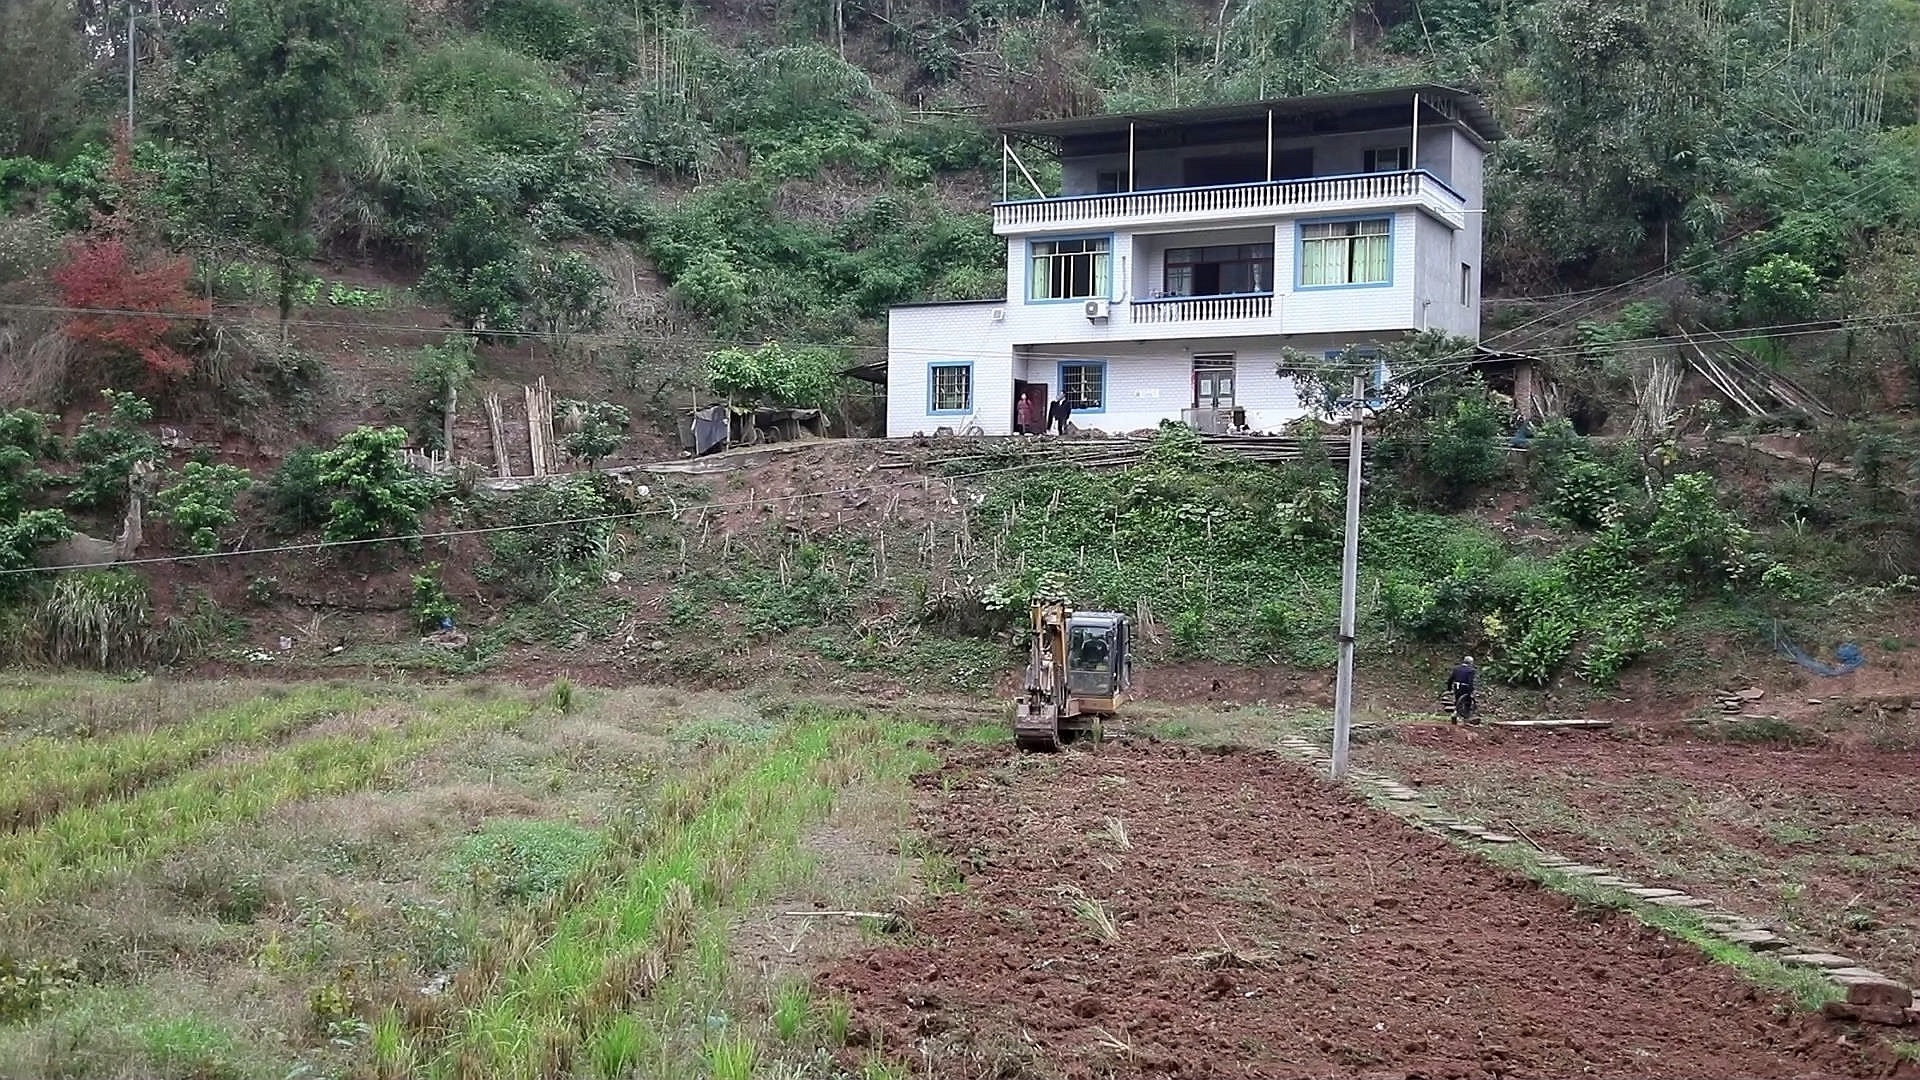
x=1035, y=396
x=1213, y=381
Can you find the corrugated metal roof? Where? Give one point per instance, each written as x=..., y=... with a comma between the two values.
x=1473, y=112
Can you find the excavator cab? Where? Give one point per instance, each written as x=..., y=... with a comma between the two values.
x=1079, y=669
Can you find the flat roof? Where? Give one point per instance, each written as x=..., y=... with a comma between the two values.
x=1472, y=111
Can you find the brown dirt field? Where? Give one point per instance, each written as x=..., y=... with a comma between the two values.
x=1822, y=841
x=1362, y=948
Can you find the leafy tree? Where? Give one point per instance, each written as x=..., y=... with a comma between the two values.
x=42, y=74
x=568, y=295
x=26, y=440
x=439, y=373
x=375, y=492
x=479, y=268
x=107, y=448
x=1782, y=289
x=200, y=501
x=298, y=71
x=776, y=374
x=128, y=304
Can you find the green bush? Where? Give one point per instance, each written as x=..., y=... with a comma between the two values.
x=200, y=501
x=599, y=429
x=775, y=374
x=440, y=372
x=107, y=448
x=559, y=538
x=374, y=492
x=296, y=492
x=431, y=604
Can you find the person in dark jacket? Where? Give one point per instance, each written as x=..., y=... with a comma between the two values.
x=1461, y=684
x=1059, y=413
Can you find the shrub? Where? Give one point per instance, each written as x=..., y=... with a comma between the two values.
x=535, y=559
x=375, y=493
x=99, y=618
x=297, y=494
x=599, y=429
x=568, y=295
x=439, y=373
x=200, y=502
x=431, y=604
x=107, y=448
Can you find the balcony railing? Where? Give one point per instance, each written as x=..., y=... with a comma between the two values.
x=1203, y=308
x=1235, y=200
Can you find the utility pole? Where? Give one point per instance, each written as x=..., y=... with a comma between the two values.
x=130, y=52
x=1349, y=586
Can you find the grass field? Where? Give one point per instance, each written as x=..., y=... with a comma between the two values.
x=230, y=881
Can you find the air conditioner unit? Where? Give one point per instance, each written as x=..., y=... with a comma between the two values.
x=1096, y=309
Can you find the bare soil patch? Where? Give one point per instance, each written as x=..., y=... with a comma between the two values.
x=1822, y=840
x=1245, y=919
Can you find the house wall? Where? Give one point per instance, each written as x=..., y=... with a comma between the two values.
x=1136, y=273
x=1145, y=382
x=1333, y=155
x=921, y=336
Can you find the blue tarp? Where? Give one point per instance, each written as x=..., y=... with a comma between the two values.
x=1848, y=656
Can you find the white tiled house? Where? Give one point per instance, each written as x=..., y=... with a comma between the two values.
x=1188, y=247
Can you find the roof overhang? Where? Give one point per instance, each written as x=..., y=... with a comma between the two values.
x=1317, y=111
x=874, y=372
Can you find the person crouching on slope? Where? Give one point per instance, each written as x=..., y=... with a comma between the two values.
x=1461, y=684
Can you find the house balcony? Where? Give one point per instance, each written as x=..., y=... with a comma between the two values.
x=1202, y=309
x=1228, y=203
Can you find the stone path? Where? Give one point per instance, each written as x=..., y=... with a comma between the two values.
x=1869, y=995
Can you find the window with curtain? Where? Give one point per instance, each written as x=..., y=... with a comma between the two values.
x=1346, y=252
x=952, y=388
x=1070, y=269
x=1223, y=270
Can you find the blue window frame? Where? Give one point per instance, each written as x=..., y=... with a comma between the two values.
x=1068, y=269
x=1343, y=253
x=950, y=388
x=1084, y=382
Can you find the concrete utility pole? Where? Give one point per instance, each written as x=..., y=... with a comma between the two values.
x=130, y=18
x=1349, y=585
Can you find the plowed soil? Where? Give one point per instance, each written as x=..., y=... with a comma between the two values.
x=1264, y=923
x=1823, y=840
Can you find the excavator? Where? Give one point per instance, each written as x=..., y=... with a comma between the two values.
x=1079, y=669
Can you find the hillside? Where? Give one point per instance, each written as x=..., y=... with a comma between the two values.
x=650, y=205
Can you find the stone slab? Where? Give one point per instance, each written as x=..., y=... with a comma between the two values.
x=1645, y=893
x=1498, y=838
x=1856, y=974
x=1816, y=960
x=1756, y=939
x=1682, y=902
x=1584, y=871
x=1470, y=830
x=1615, y=882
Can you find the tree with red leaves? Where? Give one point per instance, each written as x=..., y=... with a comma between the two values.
x=126, y=303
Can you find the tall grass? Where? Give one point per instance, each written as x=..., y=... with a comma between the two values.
x=83, y=844
x=102, y=618
x=46, y=775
